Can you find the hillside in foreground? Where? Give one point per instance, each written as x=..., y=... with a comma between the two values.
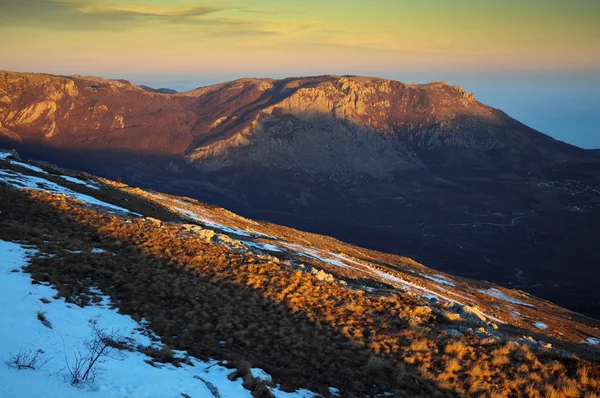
x=420, y=170
x=211, y=288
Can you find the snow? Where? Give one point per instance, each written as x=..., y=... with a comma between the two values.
x=262, y=246
x=439, y=279
x=5, y=155
x=500, y=295
x=130, y=377
x=81, y=182
x=97, y=250
x=30, y=167
x=301, y=393
x=423, y=291
x=331, y=261
x=257, y=234
x=593, y=341
x=41, y=184
x=207, y=221
x=200, y=218
x=260, y=374
x=211, y=224
x=394, y=280
x=320, y=255
x=366, y=269
x=540, y=325
x=334, y=391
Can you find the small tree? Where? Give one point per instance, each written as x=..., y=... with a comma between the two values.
x=102, y=346
x=27, y=359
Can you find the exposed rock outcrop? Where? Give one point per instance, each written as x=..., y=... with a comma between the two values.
x=328, y=125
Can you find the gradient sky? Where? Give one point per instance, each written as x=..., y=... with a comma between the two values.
x=176, y=43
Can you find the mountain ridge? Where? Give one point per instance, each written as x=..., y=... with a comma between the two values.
x=162, y=90
x=228, y=115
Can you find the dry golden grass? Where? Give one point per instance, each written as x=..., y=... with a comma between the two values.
x=305, y=332
x=569, y=389
x=458, y=349
x=453, y=365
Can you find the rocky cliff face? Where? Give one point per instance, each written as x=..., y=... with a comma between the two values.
x=325, y=125
x=353, y=124
x=90, y=113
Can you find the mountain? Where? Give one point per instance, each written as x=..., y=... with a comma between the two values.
x=425, y=171
x=400, y=123
x=159, y=90
x=190, y=299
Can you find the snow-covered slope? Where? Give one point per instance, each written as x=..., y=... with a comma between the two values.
x=21, y=180
x=65, y=332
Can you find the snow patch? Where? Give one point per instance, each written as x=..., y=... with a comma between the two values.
x=423, y=291
x=80, y=182
x=5, y=155
x=593, y=341
x=130, y=377
x=257, y=234
x=301, y=393
x=30, y=167
x=41, y=184
x=260, y=375
x=540, y=325
x=262, y=246
x=211, y=224
x=368, y=270
x=439, y=279
x=208, y=222
x=500, y=295
x=320, y=256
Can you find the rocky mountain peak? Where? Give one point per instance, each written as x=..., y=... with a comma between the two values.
x=341, y=124
x=321, y=124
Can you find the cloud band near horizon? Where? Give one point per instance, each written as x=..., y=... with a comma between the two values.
x=103, y=36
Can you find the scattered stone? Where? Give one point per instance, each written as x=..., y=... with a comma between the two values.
x=211, y=387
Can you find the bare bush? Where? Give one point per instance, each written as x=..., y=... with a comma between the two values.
x=41, y=315
x=27, y=359
x=102, y=346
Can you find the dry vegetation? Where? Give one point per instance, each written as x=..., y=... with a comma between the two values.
x=305, y=332
x=563, y=325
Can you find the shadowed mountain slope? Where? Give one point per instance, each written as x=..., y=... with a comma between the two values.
x=313, y=312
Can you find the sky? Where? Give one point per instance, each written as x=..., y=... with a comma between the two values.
x=514, y=47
